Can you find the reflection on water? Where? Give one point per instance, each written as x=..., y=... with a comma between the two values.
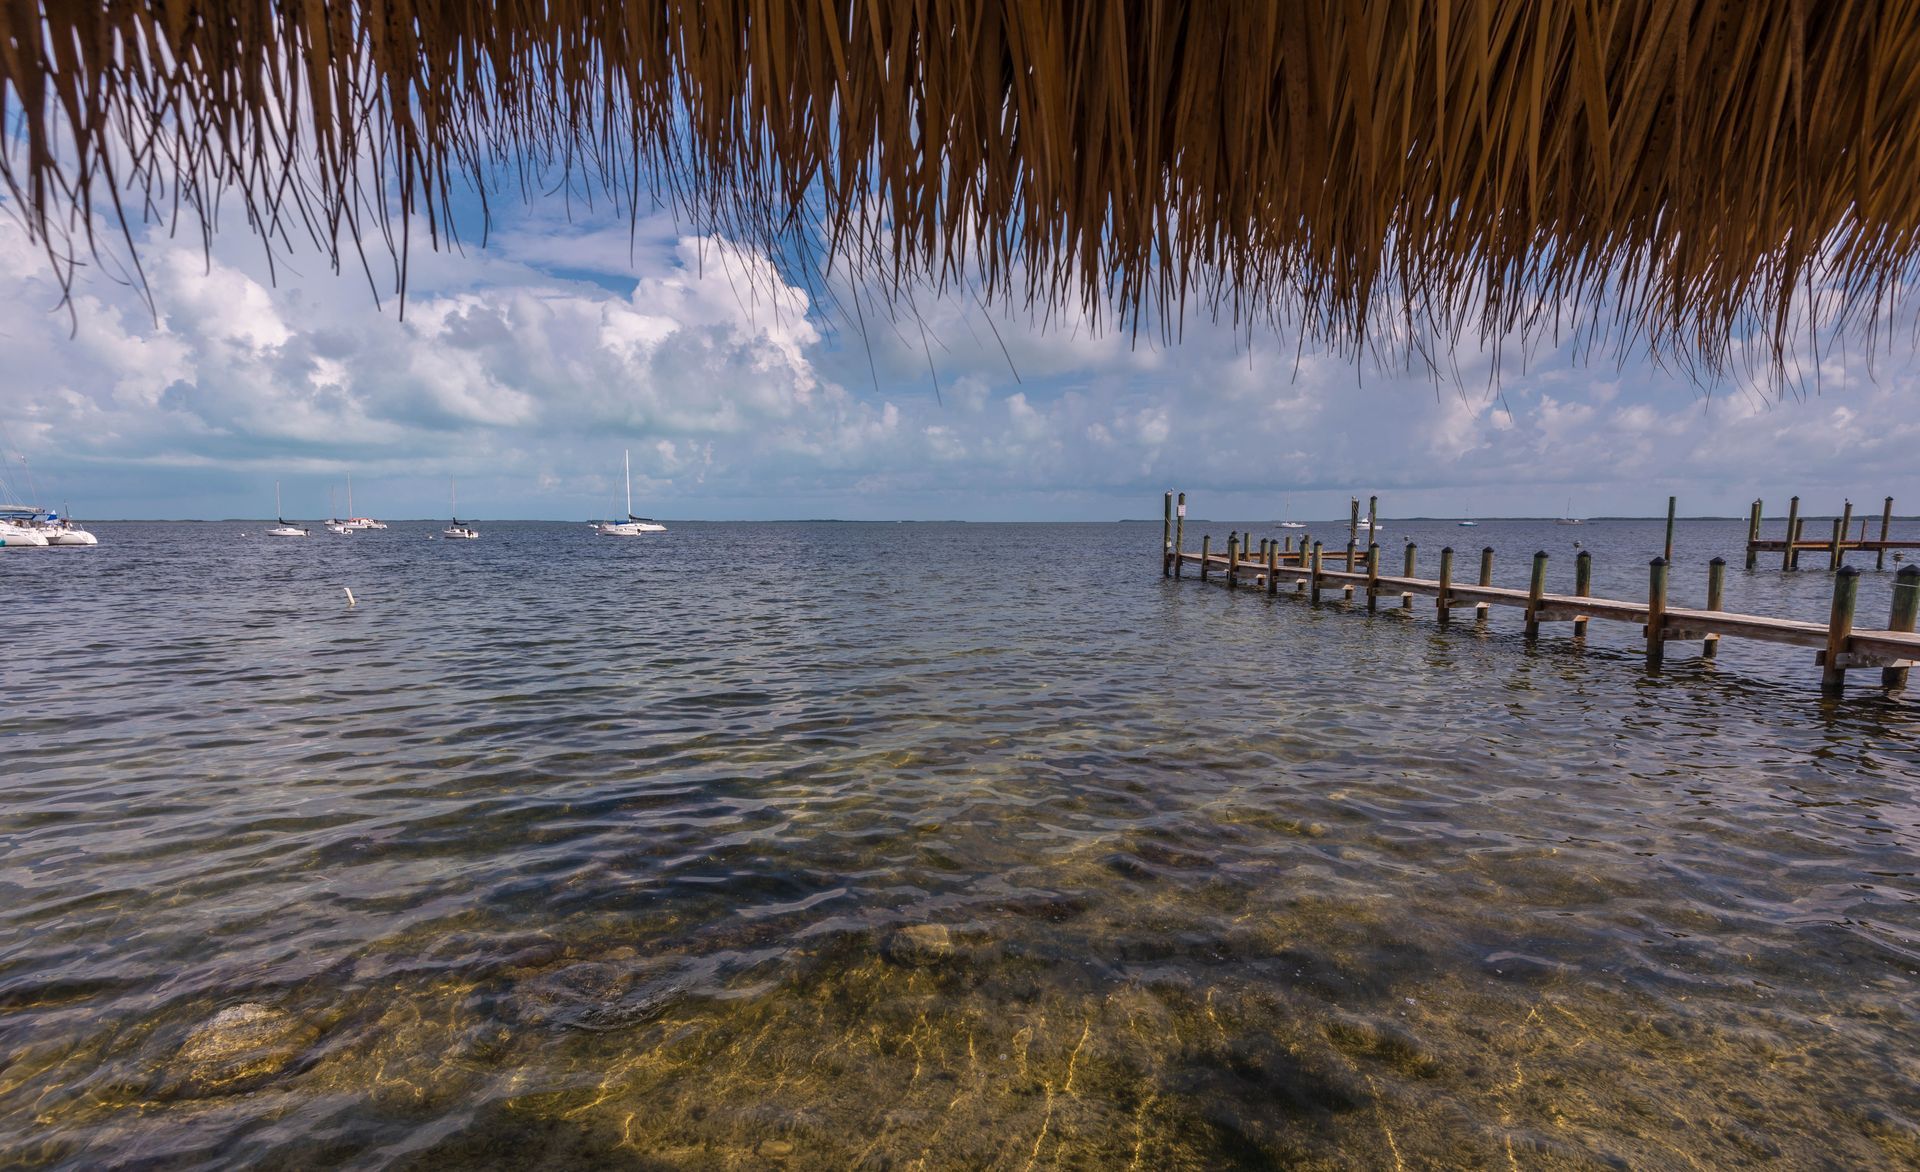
x=927, y=846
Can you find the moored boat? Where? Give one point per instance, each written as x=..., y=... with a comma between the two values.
x=633, y=526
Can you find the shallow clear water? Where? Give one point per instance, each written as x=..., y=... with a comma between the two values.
x=930, y=846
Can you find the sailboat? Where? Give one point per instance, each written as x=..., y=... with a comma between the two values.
x=353, y=522
x=1290, y=524
x=284, y=529
x=633, y=526
x=334, y=523
x=457, y=531
x=1567, y=518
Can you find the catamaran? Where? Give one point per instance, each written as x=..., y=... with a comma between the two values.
x=353, y=522
x=457, y=531
x=633, y=526
x=284, y=529
x=23, y=523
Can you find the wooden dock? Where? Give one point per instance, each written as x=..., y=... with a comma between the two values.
x=1834, y=546
x=1311, y=571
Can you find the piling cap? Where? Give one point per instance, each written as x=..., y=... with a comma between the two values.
x=1718, y=562
x=1446, y=549
x=1539, y=553
x=1486, y=549
x=1909, y=573
x=1849, y=571
x=1658, y=562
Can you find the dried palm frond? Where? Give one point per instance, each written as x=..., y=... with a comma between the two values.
x=1678, y=173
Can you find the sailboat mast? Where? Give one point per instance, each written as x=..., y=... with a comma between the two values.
x=278, y=512
x=349, y=497
x=629, y=455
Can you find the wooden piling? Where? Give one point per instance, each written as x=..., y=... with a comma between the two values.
x=1206, y=551
x=1793, y=532
x=1406, y=597
x=1443, y=603
x=1900, y=617
x=1536, y=587
x=1846, y=527
x=1753, y=534
x=1166, y=539
x=1886, y=523
x=1656, y=613
x=1672, y=503
x=1486, y=579
x=1273, y=568
x=1582, y=587
x=1793, y=544
x=1834, y=554
x=1353, y=532
x=1313, y=576
x=1716, y=596
x=1233, y=560
x=1373, y=576
x=1179, y=534
x=1846, y=594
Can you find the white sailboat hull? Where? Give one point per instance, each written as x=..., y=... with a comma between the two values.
x=71, y=537
x=20, y=537
x=288, y=531
x=628, y=528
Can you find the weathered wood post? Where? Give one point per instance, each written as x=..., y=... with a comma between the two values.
x=1672, y=503
x=1288, y=547
x=1536, y=587
x=1443, y=604
x=1406, y=597
x=1273, y=568
x=1886, y=524
x=1846, y=527
x=1313, y=576
x=1373, y=518
x=1834, y=556
x=1793, y=532
x=1373, y=576
x=1206, y=551
x=1486, y=579
x=1582, y=586
x=1353, y=532
x=1753, y=533
x=1656, y=613
x=1179, y=534
x=1846, y=594
x=1233, y=560
x=1793, y=545
x=1716, y=597
x=1906, y=607
x=1166, y=538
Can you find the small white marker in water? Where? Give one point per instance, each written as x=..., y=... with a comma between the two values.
x=349, y=590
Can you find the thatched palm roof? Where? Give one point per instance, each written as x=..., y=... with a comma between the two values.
x=1680, y=171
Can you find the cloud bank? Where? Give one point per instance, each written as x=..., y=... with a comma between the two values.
x=525, y=369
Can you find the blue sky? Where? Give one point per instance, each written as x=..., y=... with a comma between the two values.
x=525, y=369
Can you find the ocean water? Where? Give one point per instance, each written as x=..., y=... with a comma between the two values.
x=922, y=846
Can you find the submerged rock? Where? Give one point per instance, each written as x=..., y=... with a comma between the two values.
x=919, y=945
x=236, y=1049
x=595, y=997
x=1383, y=1041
